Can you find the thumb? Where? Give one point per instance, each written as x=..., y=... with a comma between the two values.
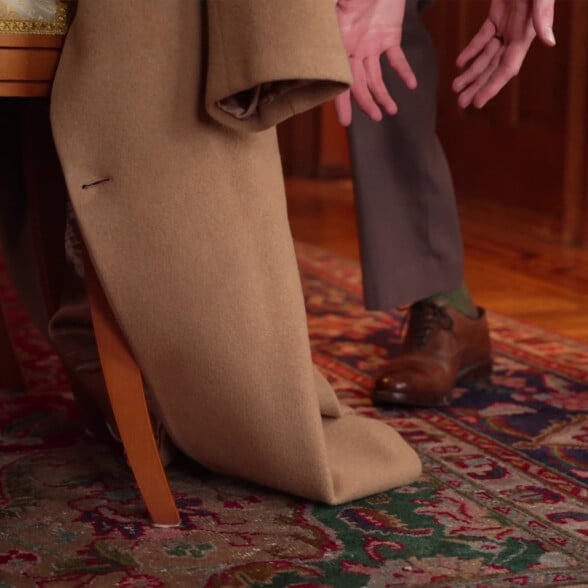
x=543, y=12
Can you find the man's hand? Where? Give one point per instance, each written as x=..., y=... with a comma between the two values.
x=495, y=55
x=370, y=28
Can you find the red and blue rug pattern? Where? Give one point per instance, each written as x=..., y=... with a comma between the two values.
x=502, y=500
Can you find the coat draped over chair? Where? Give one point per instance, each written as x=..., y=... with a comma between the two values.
x=164, y=114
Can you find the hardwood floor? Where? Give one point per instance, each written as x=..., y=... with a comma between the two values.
x=512, y=267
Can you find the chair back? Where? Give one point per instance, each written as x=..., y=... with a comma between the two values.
x=31, y=37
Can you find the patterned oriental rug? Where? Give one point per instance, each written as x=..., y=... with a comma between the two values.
x=502, y=502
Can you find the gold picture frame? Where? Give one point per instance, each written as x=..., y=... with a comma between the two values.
x=11, y=23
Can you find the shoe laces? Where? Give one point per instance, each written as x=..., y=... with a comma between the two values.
x=424, y=318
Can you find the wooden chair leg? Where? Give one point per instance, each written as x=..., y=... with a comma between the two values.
x=127, y=397
x=10, y=374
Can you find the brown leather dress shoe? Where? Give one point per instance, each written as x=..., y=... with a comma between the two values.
x=442, y=347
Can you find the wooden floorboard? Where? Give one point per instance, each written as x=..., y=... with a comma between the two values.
x=511, y=268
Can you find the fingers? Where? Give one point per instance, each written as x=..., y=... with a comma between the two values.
x=470, y=93
x=399, y=63
x=479, y=65
x=361, y=92
x=543, y=14
x=491, y=64
x=376, y=85
x=490, y=80
x=481, y=39
x=343, y=108
x=369, y=91
x=367, y=84
x=509, y=67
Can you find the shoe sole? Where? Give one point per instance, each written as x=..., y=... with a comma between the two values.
x=472, y=373
x=481, y=370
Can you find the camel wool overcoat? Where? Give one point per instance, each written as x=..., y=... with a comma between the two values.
x=163, y=114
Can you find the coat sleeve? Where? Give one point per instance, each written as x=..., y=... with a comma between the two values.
x=271, y=59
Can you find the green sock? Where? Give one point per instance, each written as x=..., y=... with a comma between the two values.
x=460, y=299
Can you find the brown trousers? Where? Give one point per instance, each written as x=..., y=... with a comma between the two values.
x=408, y=225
